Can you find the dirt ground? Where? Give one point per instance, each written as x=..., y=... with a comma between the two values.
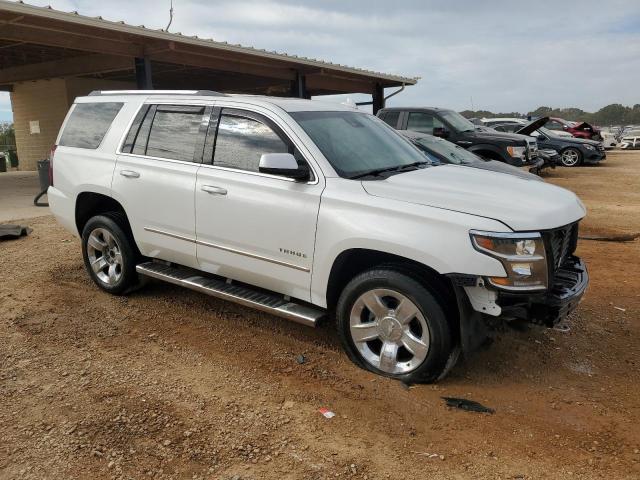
x=168, y=383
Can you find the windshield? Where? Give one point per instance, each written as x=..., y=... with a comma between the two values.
x=451, y=152
x=457, y=121
x=356, y=143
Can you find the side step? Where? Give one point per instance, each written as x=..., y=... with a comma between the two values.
x=238, y=293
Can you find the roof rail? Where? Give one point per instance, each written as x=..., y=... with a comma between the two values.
x=202, y=93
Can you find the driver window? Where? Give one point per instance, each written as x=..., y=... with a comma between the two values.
x=423, y=122
x=241, y=141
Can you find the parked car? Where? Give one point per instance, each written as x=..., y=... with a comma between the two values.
x=609, y=139
x=630, y=141
x=573, y=151
x=516, y=150
x=442, y=152
x=577, y=129
x=492, y=122
x=300, y=208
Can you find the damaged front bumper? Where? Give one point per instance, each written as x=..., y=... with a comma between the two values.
x=551, y=307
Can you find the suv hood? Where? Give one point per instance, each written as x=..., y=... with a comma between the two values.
x=484, y=132
x=523, y=205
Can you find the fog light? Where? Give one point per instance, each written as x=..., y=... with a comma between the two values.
x=521, y=269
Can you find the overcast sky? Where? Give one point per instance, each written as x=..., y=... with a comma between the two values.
x=500, y=55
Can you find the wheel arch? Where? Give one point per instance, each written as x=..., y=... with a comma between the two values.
x=89, y=204
x=354, y=261
x=488, y=151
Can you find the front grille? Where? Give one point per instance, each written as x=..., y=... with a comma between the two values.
x=560, y=244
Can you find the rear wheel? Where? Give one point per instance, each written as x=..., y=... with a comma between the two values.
x=109, y=253
x=571, y=157
x=392, y=325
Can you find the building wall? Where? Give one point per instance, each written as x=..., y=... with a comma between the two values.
x=44, y=101
x=47, y=102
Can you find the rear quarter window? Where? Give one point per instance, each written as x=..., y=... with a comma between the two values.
x=88, y=124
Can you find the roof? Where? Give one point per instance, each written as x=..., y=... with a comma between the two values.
x=121, y=31
x=414, y=109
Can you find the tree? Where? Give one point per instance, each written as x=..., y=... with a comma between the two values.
x=7, y=135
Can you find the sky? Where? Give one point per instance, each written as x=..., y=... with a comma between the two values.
x=493, y=55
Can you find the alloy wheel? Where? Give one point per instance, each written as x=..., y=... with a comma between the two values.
x=389, y=331
x=570, y=157
x=105, y=256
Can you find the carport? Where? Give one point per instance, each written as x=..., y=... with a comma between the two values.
x=49, y=57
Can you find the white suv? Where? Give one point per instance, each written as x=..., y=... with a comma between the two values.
x=300, y=208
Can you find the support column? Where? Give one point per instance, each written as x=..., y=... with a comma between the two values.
x=299, y=86
x=378, y=98
x=143, y=73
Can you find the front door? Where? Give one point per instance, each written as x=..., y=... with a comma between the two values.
x=253, y=227
x=155, y=179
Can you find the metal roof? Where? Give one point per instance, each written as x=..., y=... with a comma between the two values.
x=21, y=8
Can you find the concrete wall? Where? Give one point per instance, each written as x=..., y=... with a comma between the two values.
x=44, y=101
x=47, y=102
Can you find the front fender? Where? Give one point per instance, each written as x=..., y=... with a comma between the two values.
x=349, y=218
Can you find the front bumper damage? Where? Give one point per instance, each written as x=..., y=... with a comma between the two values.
x=551, y=307
x=479, y=304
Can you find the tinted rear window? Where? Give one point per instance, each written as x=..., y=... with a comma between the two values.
x=88, y=124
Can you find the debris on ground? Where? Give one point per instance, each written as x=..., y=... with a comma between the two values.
x=326, y=412
x=301, y=359
x=430, y=455
x=9, y=231
x=468, y=405
x=620, y=308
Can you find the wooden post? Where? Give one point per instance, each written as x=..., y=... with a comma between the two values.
x=143, y=73
x=378, y=98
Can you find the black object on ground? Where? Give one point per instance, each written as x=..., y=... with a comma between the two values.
x=301, y=359
x=468, y=405
x=13, y=231
x=43, y=176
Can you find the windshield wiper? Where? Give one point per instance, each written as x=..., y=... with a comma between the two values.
x=378, y=171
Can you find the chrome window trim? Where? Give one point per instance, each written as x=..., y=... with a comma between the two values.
x=260, y=174
x=227, y=249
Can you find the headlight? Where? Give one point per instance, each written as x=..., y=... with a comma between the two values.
x=522, y=255
x=517, y=152
x=589, y=147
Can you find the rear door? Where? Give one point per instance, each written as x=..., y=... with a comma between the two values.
x=254, y=227
x=155, y=178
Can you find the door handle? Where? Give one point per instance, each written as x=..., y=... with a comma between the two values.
x=129, y=174
x=213, y=190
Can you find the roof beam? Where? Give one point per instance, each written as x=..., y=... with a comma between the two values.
x=183, y=57
x=61, y=39
x=66, y=67
x=339, y=85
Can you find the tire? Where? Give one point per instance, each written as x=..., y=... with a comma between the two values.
x=109, y=253
x=570, y=157
x=413, y=343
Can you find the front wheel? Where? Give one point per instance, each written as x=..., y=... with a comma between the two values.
x=109, y=253
x=571, y=157
x=392, y=325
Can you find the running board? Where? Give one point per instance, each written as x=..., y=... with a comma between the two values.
x=238, y=293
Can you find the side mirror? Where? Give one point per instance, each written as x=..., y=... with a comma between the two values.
x=283, y=164
x=440, y=132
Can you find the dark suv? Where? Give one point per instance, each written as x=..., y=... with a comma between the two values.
x=517, y=150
